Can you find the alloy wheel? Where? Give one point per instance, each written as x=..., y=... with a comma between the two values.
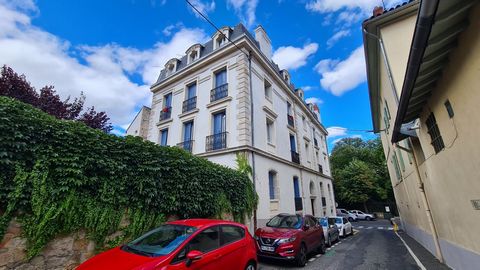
x=302, y=256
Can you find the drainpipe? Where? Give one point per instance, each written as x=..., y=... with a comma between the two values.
x=252, y=127
x=387, y=64
x=425, y=202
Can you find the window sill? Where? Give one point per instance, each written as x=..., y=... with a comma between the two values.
x=182, y=115
x=219, y=101
x=163, y=122
x=271, y=144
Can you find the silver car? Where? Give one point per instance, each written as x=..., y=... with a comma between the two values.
x=330, y=230
x=344, y=213
x=362, y=215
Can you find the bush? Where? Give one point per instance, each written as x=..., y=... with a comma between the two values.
x=60, y=176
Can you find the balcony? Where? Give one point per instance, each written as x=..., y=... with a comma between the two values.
x=291, y=121
x=219, y=92
x=298, y=204
x=165, y=113
x=320, y=168
x=186, y=145
x=216, y=141
x=189, y=104
x=295, y=157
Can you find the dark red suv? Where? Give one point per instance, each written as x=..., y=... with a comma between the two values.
x=290, y=237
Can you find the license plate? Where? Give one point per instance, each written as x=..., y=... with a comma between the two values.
x=264, y=248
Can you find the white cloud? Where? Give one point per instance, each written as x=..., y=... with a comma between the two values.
x=336, y=37
x=313, y=100
x=292, y=57
x=101, y=72
x=339, y=77
x=204, y=7
x=352, y=136
x=336, y=131
x=308, y=88
x=245, y=10
x=351, y=10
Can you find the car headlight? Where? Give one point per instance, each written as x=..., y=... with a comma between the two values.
x=286, y=240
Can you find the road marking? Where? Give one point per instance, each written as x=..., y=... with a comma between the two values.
x=380, y=228
x=318, y=255
x=360, y=227
x=312, y=259
x=328, y=248
x=369, y=228
x=419, y=263
x=390, y=228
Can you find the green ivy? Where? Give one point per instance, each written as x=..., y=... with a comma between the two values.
x=61, y=176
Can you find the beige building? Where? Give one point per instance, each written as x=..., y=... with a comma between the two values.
x=139, y=125
x=215, y=103
x=423, y=66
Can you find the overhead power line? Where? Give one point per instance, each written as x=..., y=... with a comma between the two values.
x=214, y=26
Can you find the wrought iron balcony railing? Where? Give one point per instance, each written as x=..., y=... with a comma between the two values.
x=298, y=204
x=291, y=121
x=219, y=92
x=189, y=104
x=186, y=145
x=295, y=157
x=165, y=113
x=216, y=141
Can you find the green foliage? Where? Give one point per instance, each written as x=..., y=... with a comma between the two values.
x=61, y=176
x=360, y=171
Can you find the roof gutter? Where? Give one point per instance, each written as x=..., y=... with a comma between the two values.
x=425, y=20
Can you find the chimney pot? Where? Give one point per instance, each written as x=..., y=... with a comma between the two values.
x=377, y=11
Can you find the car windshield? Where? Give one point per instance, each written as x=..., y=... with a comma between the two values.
x=160, y=241
x=324, y=222
x=338, y=220
x=291, y=222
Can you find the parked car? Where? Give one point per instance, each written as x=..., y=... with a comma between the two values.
x=344, y=226
x=344, y=213
x=183, y=244
x=330, y=230
x=362, y=215
x=290, y=237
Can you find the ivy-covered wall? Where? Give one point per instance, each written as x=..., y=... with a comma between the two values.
x=58, y=177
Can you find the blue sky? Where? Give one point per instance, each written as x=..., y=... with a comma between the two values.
x=113, y=50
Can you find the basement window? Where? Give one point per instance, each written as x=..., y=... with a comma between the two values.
x=437, y=141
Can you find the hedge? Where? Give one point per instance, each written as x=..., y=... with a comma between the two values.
x=60, y=176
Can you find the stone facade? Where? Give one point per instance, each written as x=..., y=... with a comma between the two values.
x=64, y=252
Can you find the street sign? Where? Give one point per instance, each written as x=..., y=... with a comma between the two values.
x=387, y=209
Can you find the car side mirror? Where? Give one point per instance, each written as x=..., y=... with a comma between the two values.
x=192, y=256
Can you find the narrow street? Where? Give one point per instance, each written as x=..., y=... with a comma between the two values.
x=373, y=246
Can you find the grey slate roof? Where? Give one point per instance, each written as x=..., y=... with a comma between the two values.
x=207, y=48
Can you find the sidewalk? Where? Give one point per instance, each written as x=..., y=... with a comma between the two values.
x=425, y=257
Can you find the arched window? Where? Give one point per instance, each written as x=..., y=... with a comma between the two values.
x=273, y=185
x=312, y=188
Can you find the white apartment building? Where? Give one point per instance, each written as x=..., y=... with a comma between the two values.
x=212, y=104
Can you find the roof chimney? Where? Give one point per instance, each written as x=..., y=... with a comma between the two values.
x=377, y=11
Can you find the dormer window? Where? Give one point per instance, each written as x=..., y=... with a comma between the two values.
x=285, y=76
x=221, y=37
x=171, y=66
x=193, y=53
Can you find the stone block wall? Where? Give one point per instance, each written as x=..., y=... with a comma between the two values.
x=64, y=252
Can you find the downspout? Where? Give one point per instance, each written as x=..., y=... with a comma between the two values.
x=252, y=127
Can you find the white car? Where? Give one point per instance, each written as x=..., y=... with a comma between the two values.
x=362, y=215
x=344, y=226
x=344, y=213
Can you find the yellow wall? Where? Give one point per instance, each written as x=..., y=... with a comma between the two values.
x=452, y=177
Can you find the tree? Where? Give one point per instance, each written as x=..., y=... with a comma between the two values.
x=360, y=171
x=17, y=86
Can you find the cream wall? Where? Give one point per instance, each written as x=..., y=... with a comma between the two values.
x=452, y=176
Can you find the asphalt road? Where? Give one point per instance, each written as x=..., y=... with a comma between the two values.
x=373, y=246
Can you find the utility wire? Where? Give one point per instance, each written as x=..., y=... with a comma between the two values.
x=214, y=26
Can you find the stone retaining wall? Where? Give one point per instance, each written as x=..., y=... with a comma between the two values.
x=65, y=252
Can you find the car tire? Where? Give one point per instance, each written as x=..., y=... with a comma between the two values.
x=251, y=266
x=322, y=248
x=302, y=256
x=329, y=241
x=350, y=219
x=344, y=235
x=368, y=218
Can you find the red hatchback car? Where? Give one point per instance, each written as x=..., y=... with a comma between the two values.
x=184, y=244
x=290, y=237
